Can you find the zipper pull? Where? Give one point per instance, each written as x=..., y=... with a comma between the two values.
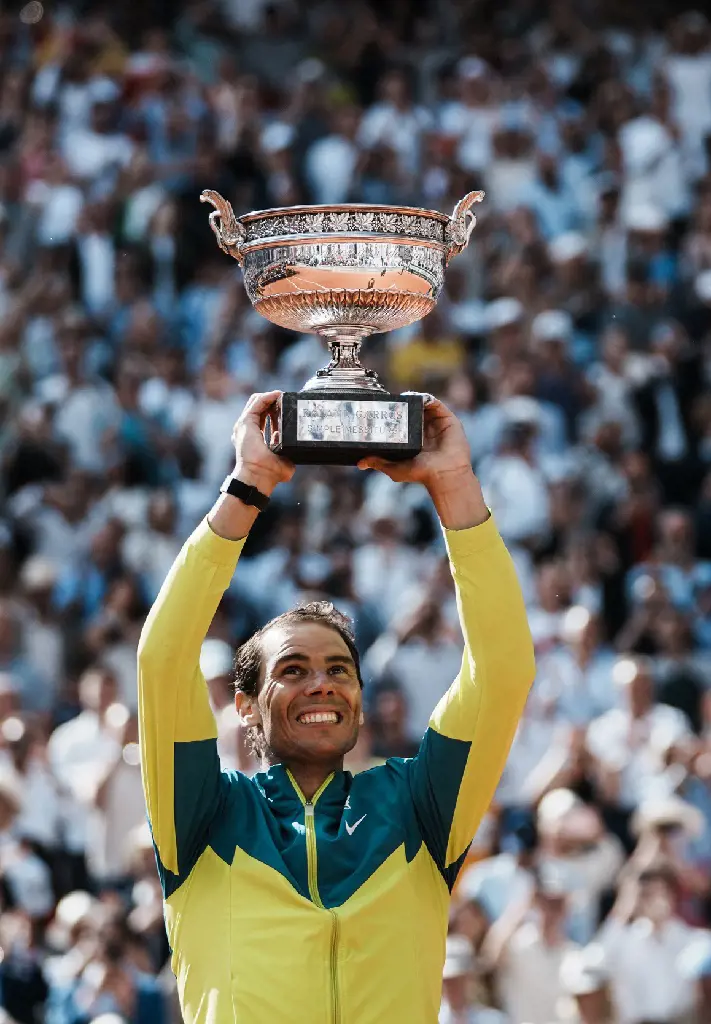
x=309, y=810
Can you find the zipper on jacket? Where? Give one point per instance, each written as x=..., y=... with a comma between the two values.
x=312, y=868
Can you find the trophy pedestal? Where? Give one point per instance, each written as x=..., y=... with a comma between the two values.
x=338, y=428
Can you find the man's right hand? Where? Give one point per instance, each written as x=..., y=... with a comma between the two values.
x=255, y=462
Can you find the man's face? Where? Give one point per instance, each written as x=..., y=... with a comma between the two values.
x=677, y=531
x=97, y=690
x=548, y=169
x=309, y=699
x=656, y=901
x=552, y=908
x=640, y=693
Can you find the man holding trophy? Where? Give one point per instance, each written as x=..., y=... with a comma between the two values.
x=305, y=893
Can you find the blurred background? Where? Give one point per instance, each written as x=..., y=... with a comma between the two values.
x=574, y=341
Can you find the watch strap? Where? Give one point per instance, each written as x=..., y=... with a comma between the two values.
x=246, y=493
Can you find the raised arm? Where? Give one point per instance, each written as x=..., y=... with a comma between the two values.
x=464, y=750
x=182, y=781
x=469, y=737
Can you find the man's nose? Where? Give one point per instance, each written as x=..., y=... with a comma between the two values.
x=320, y=683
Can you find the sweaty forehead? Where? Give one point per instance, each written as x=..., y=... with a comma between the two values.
x=306, y=638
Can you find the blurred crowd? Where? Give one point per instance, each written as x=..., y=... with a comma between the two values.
x=573, y=339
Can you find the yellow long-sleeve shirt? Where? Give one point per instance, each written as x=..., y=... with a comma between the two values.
x=332, y=911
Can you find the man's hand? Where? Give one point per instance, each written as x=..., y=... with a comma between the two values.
x=255, y=462
x=445, y=452
x=443, y=466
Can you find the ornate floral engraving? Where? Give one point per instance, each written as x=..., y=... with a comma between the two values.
x=391, y=223
x=346, y=222
x=338, y=221
x=364, y=221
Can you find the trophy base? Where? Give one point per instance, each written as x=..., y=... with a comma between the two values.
x=339, y=428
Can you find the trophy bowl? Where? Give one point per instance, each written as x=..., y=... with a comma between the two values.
x=344, y=272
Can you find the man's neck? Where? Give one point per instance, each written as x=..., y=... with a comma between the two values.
x=583, y=656
x=551, y=936
x=458, y=1006
x=594, y=1018
x=310, y=777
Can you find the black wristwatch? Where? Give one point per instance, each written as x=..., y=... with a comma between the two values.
x=246, y=493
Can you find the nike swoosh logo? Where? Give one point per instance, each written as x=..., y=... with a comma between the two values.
x=350, y=829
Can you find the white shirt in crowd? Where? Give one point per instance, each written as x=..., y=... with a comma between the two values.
x=74, y=99
x=546, y=627
x=40, y=817
x=425, y=671
x=627, y=745
x=97, y=257
x=56, y=539
x=60, y=206
x=473, y=127
x=472, y=1015
x=383, y=124
x=381, y=573
x=89, y=154
x=43, y=648
x=212, y=430
x=579, y=693
x=529, y=978
x=150, y=555
x=120, y=659
x=496, y=883
x=85, y=415
x=689, y=76
x=538, y=741
x=643, y=963
x=585, y=877
x=79, y=752
x=123, y=810
x=27, y=876
x=329, y=167
x=517, y=494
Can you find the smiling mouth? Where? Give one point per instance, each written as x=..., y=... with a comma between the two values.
x=319, y=718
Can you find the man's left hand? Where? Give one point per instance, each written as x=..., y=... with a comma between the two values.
x=443, y=466
x=445, y=454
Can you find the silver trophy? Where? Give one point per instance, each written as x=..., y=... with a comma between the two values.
x=344, y=272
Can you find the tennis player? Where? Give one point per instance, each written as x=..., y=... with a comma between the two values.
x=305, y=894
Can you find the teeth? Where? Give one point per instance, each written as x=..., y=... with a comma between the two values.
x=316, y=717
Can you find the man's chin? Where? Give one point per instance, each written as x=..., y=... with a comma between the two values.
x=322, y=744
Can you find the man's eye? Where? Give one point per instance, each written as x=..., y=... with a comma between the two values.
x=293, y=669
x=338, y=668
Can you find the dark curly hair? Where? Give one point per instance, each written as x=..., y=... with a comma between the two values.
x=248, y=659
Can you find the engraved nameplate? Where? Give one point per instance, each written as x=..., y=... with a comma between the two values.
x=324, y=419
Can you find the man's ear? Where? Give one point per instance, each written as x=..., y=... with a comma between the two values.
x=247, y=709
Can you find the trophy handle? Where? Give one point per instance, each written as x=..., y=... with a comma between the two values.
x=229, y=232
x=461, y=224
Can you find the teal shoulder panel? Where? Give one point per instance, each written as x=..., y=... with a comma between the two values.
x=200, y=792
x=277, y=839
x=233, y=811
x=435, y=776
